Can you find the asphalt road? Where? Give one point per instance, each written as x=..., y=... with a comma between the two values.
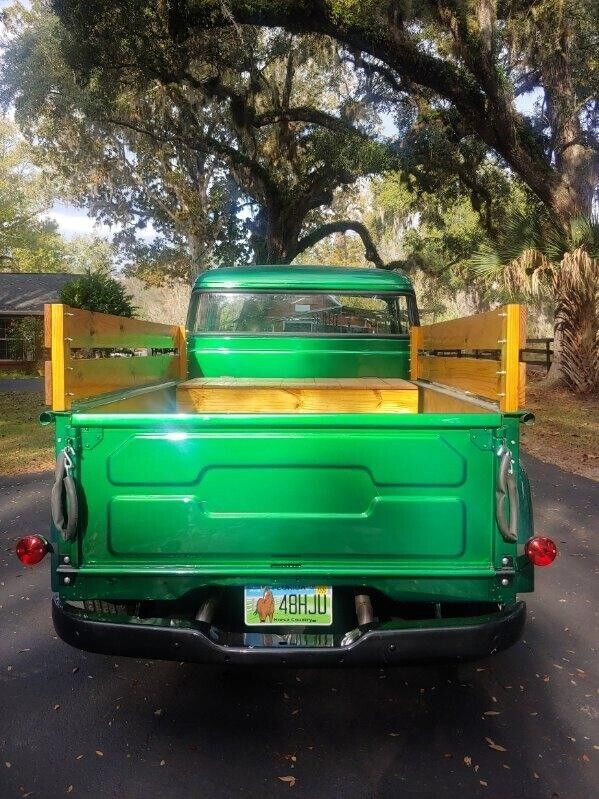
x=31, y=385
x=81, y=725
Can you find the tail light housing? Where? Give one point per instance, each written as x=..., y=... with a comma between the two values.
x=32, y=549
x=541, y=551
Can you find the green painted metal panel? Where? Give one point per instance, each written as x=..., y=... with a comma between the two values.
x=182, y=526
x=297, y=356
x=304, y=278
x=262, y=461
x=292, y=495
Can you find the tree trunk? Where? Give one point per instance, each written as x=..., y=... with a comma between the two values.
x=275, y=234
x=198, y=252
x=555, y=375
x=576, y=345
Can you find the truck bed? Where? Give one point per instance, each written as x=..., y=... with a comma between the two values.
x=176, y=501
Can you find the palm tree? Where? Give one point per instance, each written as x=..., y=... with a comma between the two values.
x=533, y=253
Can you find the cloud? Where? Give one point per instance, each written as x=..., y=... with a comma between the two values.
x=74, y=222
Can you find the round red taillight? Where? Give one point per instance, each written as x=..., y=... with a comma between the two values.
x=541, y=551
x=32, y=549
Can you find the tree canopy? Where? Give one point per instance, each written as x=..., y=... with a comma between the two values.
x=452, y=70
x=225, y=145
x=28, y=242
x=240, y=128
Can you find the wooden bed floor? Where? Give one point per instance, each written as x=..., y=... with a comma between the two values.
x=297, y=395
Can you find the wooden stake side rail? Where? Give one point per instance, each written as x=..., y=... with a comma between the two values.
x=502, y=381
x=310, y=395
x=69, y=378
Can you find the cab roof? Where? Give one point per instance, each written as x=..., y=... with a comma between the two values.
x=302, y=278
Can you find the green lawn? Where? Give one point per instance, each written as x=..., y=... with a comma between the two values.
x=566, y=431
x=25, y=446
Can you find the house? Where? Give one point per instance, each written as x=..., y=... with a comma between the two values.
x=22, y=297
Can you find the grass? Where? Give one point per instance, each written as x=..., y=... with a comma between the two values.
x=25, y=445
x=566, y=431
x=17, y=375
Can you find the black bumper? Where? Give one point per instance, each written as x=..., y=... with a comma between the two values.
x=466, y=639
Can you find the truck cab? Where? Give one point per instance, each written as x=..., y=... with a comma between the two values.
x=305, y=476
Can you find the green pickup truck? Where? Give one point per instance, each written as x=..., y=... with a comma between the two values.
x=303, y=475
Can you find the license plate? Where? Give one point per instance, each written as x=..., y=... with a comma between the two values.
x=287, y=606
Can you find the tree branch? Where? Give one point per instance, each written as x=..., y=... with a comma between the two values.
x=342, y=226
x=474, y=90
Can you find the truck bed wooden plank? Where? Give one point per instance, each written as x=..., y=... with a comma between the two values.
x=338, y=395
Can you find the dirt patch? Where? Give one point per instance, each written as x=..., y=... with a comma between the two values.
x=25, y=445
x=566, y=431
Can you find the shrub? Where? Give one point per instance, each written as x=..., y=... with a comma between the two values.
x=97, y=291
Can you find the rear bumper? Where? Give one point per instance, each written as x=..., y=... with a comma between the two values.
x=466, y=639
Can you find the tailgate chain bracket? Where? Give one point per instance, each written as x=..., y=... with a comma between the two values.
x=507, y=494
x=64, y=502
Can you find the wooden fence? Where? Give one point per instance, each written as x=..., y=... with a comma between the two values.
x=445, y=353
x=545, y=352
x=73, y=336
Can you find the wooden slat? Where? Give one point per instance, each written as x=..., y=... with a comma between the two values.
x=60, y=357
x=47, y=326
x=482, y=331
x=297, y=396
x=415, y=347
x=365, y=383
x=89, y=377
x=48, y=382
x=435, y=400
x=97, y=330
x=477, y=376
x=182, y=349
x=513, y=340
x=522, y=386
x=156, y=399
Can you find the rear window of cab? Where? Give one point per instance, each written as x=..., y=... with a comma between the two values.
x=305, y=313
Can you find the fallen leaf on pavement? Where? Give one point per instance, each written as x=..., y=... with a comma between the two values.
x=484, y=783
x=99, y=753
x=468, y=761
x=290, y=780
x=493, y=745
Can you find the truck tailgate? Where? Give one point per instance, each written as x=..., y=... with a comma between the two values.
x=351, y=494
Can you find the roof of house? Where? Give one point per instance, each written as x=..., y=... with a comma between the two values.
x=303, y=278
x=24, y=293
